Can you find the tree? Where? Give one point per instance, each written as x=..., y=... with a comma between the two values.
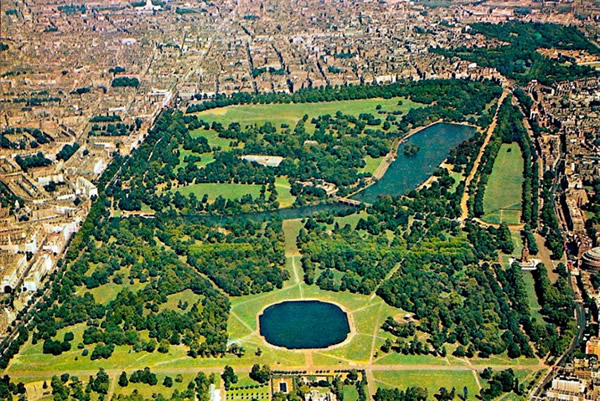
x=123, y=382
x=229, y=377
x=261, y=375
x=168, y=382
x=99, y=384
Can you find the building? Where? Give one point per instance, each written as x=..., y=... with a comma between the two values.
x=86, y=188
x=12, y=266
x=567, y=389
x=591, y=259
x=267, y=161
x=592, y=346
x=39, y=270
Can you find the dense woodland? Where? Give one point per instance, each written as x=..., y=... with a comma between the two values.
x=519, y=58
x=126, y=251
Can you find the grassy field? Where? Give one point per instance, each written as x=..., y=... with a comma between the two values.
x=290, y=231
x=282, y=185
x=147, y=391
x=532, y=300
x=213, y=190
x=372, y=164
x=247, y=389
x=236, y=191
x=458, y=177
x=502, y=199
x=431, y=380
x=351, y=219
x=290, y=113
x=212, y=137
x=350, y=393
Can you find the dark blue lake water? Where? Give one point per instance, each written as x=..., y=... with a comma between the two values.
x=304, y=324
x=408, y=172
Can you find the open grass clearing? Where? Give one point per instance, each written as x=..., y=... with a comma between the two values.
x=290, y=231
x=213, y=138
x=214, y=190
x=532, y=301
x=371, y=164
x=284, y=196
x=292, y=112
x=431, y=380
x=350, y=393
x=502, y=199
x=205, y=158
x=247, y=389
x=147, y=390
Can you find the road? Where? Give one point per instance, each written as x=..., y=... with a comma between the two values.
x=245, y=369
x=581, y=325
x=465, y=197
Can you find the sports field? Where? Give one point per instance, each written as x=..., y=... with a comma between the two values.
x=502, y=199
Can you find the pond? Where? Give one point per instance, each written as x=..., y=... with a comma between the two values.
x=304, y=324
x=430, y=147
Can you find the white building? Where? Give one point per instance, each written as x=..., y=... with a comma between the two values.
x=85, y=187
x=37, y=273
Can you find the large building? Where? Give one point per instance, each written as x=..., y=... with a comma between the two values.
x=591, y=259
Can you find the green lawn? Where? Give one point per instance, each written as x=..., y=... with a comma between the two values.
x=431, y=380
x=502, y=199
x=212, y=137
x=147, y=391
x=290, y=231
x=183, y=296
x=282, y=185
x=205, y=158
x=350, y=393
x=239, y=390
x=458, y=177
x=532, y=300
x=292, y=112
x=236, y=191
x=351, y=219
x=107, y=292
x=372, y=164
x=213, y=190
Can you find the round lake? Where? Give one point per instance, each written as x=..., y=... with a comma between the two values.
x=304, y=324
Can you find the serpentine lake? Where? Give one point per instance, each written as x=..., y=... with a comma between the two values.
x=404, y=174
x=304, y=324
x=407, y=172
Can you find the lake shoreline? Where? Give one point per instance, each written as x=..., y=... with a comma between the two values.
x=351, y=326
x=389, y=159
